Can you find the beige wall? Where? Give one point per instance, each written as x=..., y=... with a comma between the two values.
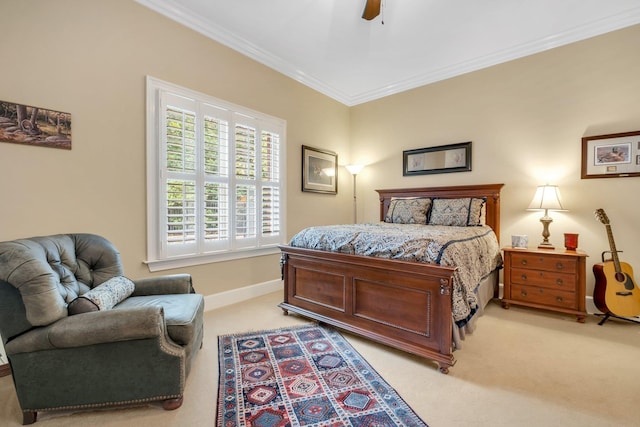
x=90, y=59
x=526, y=119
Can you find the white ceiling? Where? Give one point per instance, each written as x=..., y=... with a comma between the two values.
x=326, y=45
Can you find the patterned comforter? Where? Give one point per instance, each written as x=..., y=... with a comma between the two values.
x=473, y=251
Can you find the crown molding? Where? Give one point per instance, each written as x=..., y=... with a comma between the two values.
x=175, y=11
x=180, y=14
x=593, y=29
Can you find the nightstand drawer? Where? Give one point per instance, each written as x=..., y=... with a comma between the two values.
x=546, y=279
x=544, y=262
x=549, y=297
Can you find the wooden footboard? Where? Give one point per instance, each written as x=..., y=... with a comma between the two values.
x=405, y=305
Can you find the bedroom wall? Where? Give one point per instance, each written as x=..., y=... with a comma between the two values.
x=90, y=59
x=526, y=119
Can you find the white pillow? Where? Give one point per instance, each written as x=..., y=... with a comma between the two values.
x=103, y=297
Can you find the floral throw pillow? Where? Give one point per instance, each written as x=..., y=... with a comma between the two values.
x=103, y=297
x=408, y=210
x=461, y=212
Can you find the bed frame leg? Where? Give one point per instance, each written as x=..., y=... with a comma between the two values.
x=444, y=368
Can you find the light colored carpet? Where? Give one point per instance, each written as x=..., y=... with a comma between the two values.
x=520, y=367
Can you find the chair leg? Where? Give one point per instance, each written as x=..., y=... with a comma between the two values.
x=171, y=404
x=29, y=417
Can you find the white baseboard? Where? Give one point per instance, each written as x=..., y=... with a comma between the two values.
x=211, y=302
x=591, y=306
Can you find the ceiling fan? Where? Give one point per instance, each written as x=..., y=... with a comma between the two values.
x=371, y=9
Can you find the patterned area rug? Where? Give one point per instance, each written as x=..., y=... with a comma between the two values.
x=303, y=376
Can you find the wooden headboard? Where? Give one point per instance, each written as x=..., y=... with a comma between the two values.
x=490, y=191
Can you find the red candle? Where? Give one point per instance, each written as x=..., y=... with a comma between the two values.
x=571, y=241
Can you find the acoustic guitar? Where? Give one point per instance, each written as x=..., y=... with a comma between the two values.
x=615, y=290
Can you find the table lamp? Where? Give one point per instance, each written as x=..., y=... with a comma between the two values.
x=547, y=198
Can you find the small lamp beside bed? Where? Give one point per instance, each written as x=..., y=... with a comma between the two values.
x=547, y=198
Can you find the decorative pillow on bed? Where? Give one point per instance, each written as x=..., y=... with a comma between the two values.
x=457, y=212
x=410, y=210
x=103, y=297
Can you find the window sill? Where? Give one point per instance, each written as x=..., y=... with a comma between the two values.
x=188, y=261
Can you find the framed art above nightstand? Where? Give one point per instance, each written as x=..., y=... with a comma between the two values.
x=547, y=279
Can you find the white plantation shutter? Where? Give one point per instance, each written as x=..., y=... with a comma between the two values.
x=215, y=172
x=179, y=174
x=245, y=188
x=270, y=188
x=216, y=182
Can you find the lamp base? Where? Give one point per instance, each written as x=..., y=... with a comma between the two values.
x=544, y=245
x=545, y=220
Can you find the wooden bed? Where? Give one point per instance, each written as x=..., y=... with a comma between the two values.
x=406, y=305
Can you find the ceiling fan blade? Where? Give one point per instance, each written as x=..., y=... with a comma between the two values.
x=371, y=9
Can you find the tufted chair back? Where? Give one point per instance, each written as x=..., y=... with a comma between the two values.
x=49, y=272
x=136, y=351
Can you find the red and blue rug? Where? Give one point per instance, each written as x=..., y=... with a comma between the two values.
x=303, y=376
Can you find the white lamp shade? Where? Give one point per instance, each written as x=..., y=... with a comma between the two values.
x=354, y=169
x=547, y=197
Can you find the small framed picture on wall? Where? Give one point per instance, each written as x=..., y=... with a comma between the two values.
x=319, y=170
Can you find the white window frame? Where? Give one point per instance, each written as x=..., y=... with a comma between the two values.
x=158, y=256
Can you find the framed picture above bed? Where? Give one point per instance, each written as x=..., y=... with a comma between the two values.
x=440, y=159
x=319, y=170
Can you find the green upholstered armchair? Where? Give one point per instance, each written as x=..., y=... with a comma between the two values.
x=128, y=344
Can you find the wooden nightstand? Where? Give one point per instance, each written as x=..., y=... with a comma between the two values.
x=547, y=279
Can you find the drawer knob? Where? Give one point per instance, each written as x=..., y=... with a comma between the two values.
x=523, y=277
x=559, y=266
x=524, y=262
x=559, y=282
x=559, y=299
x=523, y=293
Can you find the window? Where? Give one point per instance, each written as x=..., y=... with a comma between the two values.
x=215, y=178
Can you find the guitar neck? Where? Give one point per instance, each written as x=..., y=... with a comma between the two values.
x=614, y=251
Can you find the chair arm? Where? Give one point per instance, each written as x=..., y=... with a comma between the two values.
x=92, y=328
x=162, y=285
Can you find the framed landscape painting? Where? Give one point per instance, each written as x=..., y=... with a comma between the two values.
x=23, y=124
